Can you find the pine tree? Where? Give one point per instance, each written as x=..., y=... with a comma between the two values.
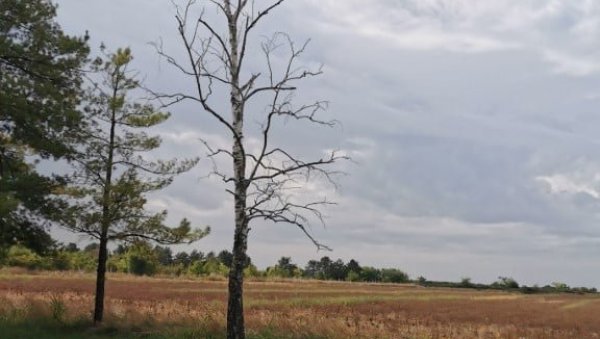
x=112, y=175
x=40, y=81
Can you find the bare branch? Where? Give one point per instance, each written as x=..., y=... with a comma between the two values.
x=212, y=153
x=217, y=36
x=250, y=24
x=198, y=76
x=294, y=219
x=297, y=165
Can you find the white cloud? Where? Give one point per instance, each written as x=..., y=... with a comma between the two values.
x=564, y=34
x=560, y=183
x=434, y=39
x=564, y=63
x=401, y=28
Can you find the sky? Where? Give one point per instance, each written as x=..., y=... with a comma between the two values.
x=472, y=125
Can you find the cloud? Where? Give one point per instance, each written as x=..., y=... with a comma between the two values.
x=473, y=126
x=563, y=34
x=564, y=63
x=424, y=39
x=413, y=27
x=563, y=184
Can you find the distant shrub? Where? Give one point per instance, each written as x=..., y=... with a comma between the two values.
x=251, y=272
x=61, y=261
x=211, y=266
x=393, y=275
x=20, y=256
x=560, y=286
x=284, y=269
x=141, y=259
x=582, y=290
x=172, y=270
x=505, y=283
x=117, y=263
x=370, y=274
x=352, y=276
x=82, y=261
x=277, y=272
x=140, y=265
x=196, y=268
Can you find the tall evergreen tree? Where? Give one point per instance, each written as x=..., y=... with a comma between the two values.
x=112, y=175
x=40, y=81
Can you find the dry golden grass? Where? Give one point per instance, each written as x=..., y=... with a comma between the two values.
x=305, y=308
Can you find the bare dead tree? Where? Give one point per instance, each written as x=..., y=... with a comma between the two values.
x=262, y=177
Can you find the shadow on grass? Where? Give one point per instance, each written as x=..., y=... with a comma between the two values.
x=47, y=329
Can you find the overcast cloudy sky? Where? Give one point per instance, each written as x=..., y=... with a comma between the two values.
x=474, y=127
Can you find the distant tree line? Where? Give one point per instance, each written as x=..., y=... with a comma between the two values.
x=327, y=269
x=143, y=259
x=507, y=284
x=138, y=258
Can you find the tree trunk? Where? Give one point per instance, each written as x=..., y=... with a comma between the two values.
x=100, y=279
x=235, y=305
x=105, y=223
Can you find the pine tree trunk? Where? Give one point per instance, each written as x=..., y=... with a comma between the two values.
x=105, y=223
x=100, y=279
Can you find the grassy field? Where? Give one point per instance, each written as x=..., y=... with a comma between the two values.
x=58, y=305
